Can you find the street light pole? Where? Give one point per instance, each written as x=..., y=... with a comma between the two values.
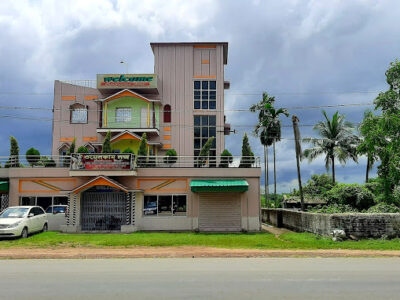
x=122, y=62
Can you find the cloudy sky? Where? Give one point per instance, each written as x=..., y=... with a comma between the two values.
x=305, y=53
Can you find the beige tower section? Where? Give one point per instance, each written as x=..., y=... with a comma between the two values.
x=178, y=65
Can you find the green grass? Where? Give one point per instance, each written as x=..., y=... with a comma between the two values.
x=238, y=241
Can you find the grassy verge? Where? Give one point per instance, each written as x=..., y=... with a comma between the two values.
x=238, y=241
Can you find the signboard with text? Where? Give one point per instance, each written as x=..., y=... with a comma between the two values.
x=88, y=161
x=126, y=81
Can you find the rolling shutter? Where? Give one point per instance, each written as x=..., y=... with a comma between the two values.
x=220, y=212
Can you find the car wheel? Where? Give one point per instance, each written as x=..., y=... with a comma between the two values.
x=24, y=233
x=45, y=227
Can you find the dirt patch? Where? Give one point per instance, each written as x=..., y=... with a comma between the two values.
x=194, y=252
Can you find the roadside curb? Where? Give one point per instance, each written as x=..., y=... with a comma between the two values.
x=179, y=252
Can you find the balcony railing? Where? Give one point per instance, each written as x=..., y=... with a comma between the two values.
x=126, y=161
x=35, y=161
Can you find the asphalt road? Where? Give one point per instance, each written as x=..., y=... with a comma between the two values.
x=225, y=278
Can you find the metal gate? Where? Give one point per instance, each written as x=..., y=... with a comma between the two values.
x=4, y=202
x=103, y=210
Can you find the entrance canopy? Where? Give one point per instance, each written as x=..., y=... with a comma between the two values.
x=100, y=180
x=219, y=185
x=3, y=186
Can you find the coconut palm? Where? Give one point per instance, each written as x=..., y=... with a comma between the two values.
x=273, y=125
x=337, y=142
x=365, y=147
x=261, y=131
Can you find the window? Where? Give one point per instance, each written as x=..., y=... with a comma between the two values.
x=205, y=94
x=43, y=202
x=79, y=114
x=167, y=113
x=123, y=114
x=204, y=128
x=164, y=205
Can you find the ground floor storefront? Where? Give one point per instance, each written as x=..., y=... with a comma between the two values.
x=176, y=199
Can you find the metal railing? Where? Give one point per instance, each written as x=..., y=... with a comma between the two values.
x=35, y=161
x=76, y=161
x=198, y=162
x=84, y=82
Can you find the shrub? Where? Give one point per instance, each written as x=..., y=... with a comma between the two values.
x=353, y=195
x=170, y=157
x=333, y=209
x=205, y=152
x=384, y=208
x=72, y=147
x=142, y=152
x=318, y=185
x=46, y=162
x=128, y=150
x=32, y=156
x=107, y=143
x=226, y=159
x=82, y=149
x=247, y=155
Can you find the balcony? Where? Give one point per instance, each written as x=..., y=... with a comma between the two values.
x=124, y=163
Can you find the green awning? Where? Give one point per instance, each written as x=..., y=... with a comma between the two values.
x=3, y=186
x=221, y=185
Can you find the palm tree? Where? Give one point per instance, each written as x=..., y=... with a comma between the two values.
x=261, y=131
x=337, y=141
x=273, y=125
x=365, y=147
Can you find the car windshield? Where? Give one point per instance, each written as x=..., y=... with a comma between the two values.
x=14, y=212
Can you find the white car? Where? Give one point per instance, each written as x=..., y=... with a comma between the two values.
x=22, y=220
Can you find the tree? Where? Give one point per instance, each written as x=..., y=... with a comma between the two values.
x=82, y=149
x=107, y=143
x=226, y=159
x=72, y=147
x=366, y=147
x=381, y=134
x=337, y=141
x=142, y=152
x=273, y=124
x=205, y=152
x=260, y=131
x=247, y=158
x=32, y=156
x=13, y=161
x=170, y=157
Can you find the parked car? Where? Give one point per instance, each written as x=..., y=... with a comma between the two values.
x=56, y=216
x=57, y=209
x=20, y=221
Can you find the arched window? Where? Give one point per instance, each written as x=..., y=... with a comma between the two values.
x=167, y=113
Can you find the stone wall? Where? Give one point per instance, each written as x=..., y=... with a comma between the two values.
x=355, y=224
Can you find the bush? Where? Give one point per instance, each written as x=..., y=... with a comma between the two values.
x=354, y=195
x=46, y=162
x=226, y=159
x=32, y=156
x=170, y=157
x=82, y=149
x=384, y=208
x=128, y=150
x=333, y=209
x=318, y=185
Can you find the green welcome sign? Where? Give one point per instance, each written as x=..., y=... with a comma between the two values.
x=126, y=81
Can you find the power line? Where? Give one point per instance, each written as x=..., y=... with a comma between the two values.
x=195, y=110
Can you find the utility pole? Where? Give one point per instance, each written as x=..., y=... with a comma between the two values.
x=296, y=132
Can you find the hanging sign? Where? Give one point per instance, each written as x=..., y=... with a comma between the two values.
x=101, y=161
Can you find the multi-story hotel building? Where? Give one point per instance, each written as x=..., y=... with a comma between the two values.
x=179, y=106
